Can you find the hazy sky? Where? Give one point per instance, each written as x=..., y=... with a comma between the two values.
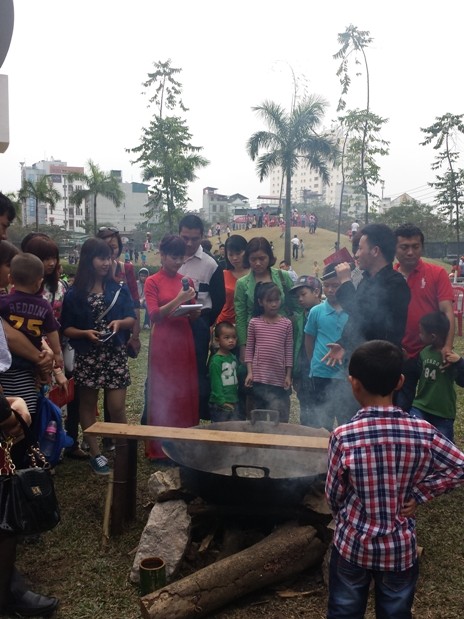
x=76, y=68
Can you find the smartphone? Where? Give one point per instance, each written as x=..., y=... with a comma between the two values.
x=105, y=336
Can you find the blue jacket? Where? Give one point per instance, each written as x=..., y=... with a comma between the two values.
x=76, y=313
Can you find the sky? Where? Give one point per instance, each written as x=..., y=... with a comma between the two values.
x=76, y=70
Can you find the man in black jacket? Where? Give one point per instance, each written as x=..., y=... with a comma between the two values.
x=378, y=308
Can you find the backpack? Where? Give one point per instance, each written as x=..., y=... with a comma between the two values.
x=48, y=411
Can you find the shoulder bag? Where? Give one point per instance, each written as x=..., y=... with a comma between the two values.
x=28, y=503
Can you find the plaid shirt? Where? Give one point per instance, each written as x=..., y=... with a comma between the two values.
x=379, y=460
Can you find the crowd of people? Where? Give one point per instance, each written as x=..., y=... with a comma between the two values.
x=237, y=333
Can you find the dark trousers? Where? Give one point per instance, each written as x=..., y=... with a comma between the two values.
x=349, y=590
x=329, y=398
x=201, y=330
x=274, y=398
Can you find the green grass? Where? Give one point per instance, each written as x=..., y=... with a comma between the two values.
x=92, y=582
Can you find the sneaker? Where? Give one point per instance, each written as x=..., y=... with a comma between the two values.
x=99, y=465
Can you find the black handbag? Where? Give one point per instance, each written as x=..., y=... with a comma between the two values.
x=28, y=503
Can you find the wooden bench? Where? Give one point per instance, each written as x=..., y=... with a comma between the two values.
x=125, y=461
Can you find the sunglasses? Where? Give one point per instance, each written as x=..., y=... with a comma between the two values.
x=108, y=229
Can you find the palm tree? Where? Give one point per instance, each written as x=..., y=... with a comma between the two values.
x=292, y=136
x=42, y=191
x=98, y=183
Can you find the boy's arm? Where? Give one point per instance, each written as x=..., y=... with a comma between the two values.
x=54, y=343
x=309, y=347
x=447, y=470
x=215, y=376
x=335, y=489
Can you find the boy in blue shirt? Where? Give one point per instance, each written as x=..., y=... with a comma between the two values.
x=329, y=390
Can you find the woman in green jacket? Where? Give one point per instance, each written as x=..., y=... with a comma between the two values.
x=261, y=260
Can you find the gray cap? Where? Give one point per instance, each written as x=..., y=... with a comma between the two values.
x=307, y=281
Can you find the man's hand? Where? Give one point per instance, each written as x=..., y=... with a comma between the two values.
x=335, y=355
x=343, y=271
x=45, y=361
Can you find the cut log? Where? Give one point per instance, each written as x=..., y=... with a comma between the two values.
x=286, y=552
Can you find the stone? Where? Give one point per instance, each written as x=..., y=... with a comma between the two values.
x=163, y=482
x=166, y=535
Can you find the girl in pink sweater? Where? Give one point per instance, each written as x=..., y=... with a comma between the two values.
x=269, y=352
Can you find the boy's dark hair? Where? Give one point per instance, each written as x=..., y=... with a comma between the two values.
x=220, y=326
x=258, y=243
x=436, y=323
x=172, y=245
x=377, y=365
x=7, y=252
x=192, y=222
x=381, y=236
x=262, y=290
x=26, y=269
x=6, y=206
x=409, y=230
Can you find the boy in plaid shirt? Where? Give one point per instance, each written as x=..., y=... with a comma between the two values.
x=382, y=464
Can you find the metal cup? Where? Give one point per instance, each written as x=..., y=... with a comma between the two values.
x=152, y=575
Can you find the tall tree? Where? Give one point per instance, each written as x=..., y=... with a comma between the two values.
x=42, y=192
x=450, y=185
x=291, y=137
x=354, y=41
x=165, y=151
x=362, y=169
x=97, y=183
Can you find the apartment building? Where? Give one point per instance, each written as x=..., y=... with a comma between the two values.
x=73, y=218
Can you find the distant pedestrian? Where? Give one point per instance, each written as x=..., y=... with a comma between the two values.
x=302, y=248
x=295, y=247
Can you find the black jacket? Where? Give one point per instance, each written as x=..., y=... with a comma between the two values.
x=377, y=309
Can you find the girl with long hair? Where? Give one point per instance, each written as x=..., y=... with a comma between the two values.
x=97, y=317
x=260, y=258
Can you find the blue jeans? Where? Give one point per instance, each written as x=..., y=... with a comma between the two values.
x=349, y=590
x=445, y=426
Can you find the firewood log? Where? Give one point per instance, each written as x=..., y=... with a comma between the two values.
x=289, y=550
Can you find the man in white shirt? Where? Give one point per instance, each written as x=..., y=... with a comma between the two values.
x=295, y=247
x=208, y=280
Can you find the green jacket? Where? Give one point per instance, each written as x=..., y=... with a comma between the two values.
x=245, y=297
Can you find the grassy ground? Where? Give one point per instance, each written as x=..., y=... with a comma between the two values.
x=92, y=581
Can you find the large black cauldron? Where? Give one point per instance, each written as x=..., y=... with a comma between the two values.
x=237, y=475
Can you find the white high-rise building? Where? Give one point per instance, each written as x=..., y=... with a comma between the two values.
x=307, y=185
x=73, y=218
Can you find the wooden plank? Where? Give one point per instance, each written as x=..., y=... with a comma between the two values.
x=250, y=439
